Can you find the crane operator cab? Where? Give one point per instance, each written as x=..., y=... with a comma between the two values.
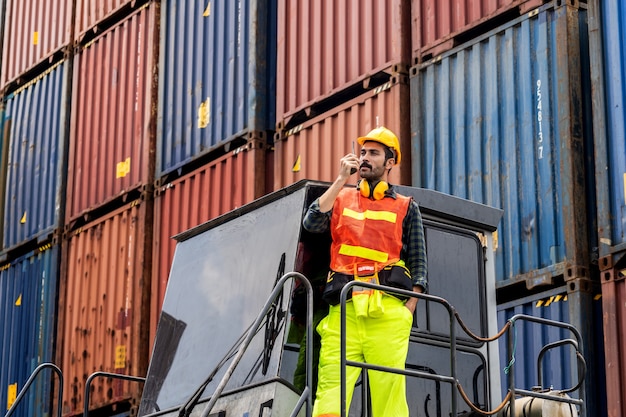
x=224, y=271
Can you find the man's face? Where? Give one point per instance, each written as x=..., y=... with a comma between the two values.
x=373, y=165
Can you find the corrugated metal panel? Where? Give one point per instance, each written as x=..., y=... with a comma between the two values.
x=34, y=121
x=614, y=308
x=323, y=47
x=105, y=306
x=559, y=366
x=217, y=76
x=33, y=30
x=211, y=190
x=531, y=337
x=437, y=24
x=91, y=12
x=610, y=118
x=313, y=150
x=499, y=121
x=28, y=296
x=112, y=137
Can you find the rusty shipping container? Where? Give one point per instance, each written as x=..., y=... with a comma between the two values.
x=440, y=25
x=313, y=149
x=607, y=37
x=90, y=13
x=614, y=324
x=112, y=135
x=28, y=301
x=33, y=31
x=213, y=189
x=104, y=307
x=325, y=47
x=499, y=120
x=217, y=77
x=34, y=131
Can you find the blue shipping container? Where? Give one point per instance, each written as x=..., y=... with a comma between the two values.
x=499, y=121
x=36, y=136
x=559, y=366
x=217, y=76
x=28, y=295
x=610, y=119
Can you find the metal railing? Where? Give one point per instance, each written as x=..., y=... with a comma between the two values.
x=107, y=375
x=452, y=378
x=305, y=397
x=29, y=383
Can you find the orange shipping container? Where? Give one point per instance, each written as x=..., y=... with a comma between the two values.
x=313, y=149
x=327, y=46
x=104, y=309
x=91, y=12
x=112, y=134
x=227, y=183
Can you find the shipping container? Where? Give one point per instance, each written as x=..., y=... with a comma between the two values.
x=313, y=149
x=326, y=47
x=35, y=131
x=104, y=307
x=499, y=121
x=576, y=304
x=607, y=31
x=28, y=300
x=91, y=13
x=220, y=186
x=440, y=25
x=217, y=76
x=33, y=31
x=112, y=135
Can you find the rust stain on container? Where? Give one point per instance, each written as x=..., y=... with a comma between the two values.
x=104, y=306
x=227, y=183
x=33, y=30
x=326, y=46
x=317, y=145
x=112, y=139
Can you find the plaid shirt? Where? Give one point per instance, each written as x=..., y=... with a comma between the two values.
x=413, y=245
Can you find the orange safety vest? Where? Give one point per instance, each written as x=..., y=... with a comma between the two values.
x=366, y=234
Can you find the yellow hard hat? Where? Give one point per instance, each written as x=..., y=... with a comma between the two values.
x=386, y=137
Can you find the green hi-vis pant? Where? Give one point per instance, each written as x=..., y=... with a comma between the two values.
x=382, y=340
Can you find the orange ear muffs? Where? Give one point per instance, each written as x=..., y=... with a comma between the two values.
x=378, y=193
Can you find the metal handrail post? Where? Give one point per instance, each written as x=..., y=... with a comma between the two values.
x=343, y=362
x=108, y=375
x=30, y=381
x=250, y=335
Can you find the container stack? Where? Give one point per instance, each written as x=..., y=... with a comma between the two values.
x=607, y=37
x=342, y=71
x=216, y=118
x=104, y=309
x=500, y=114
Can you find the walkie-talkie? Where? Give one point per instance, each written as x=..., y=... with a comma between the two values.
x=352, y=170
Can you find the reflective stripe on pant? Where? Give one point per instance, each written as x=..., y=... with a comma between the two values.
x=381, y=341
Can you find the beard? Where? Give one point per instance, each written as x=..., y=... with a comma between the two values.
x=372, y=173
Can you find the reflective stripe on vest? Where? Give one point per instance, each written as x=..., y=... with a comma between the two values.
x=365, y=232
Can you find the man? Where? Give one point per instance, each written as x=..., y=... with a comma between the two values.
x=377, y=236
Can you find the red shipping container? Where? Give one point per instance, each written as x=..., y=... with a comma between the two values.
x=313, y=149
x=227, y=183
x=112, y=137
x=104, y=307
x=33, y=31
x=440, y=25
x=614, y=315
x=326, y=46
